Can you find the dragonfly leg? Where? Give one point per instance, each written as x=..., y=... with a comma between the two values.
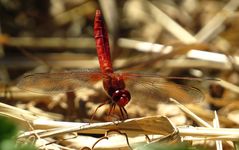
x=121, y=113
x=112, y=108
x=124, y=112
x=111, y=111
x=93, y=115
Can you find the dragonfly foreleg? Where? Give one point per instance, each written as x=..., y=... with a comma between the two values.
x=124, y=112
x=93, y=115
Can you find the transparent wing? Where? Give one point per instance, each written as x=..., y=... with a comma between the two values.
x=143, y=88
x=150, y=89
x=50, y=83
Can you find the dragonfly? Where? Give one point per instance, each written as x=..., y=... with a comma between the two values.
x=120, y=87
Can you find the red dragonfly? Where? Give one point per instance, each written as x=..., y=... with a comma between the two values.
x=120, y=88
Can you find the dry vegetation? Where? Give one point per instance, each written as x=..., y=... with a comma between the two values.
x=186, y=38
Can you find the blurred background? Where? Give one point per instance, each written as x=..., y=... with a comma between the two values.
x=182, y=38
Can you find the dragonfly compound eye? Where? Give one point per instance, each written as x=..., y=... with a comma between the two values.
x=121, y=97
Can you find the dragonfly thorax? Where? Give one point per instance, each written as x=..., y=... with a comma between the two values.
x=115, y=87
x=121, y=97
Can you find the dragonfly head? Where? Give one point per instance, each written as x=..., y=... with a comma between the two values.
x=121, y=97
